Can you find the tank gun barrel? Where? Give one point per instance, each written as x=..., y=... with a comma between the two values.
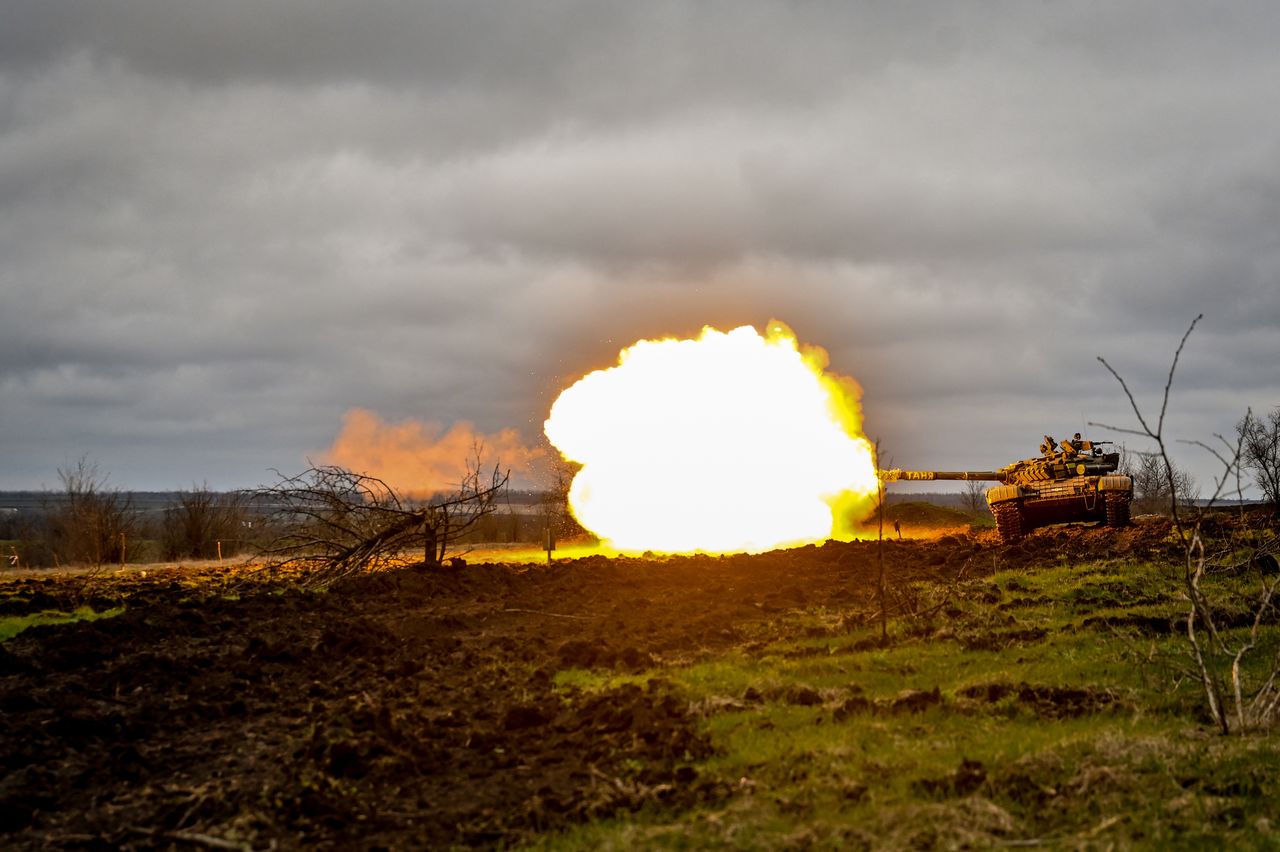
x=896, y=475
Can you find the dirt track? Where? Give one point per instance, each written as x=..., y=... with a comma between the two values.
x=407, y=708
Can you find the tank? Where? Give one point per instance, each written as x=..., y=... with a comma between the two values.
x=1072, y=481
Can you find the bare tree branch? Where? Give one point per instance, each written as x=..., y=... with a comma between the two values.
x=1218, y=654
x=336, y=522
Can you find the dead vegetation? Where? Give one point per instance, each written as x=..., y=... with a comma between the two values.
x=337, y=522
x=1240, y=697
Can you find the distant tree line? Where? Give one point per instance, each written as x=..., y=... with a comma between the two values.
x=88, y=521
x=1158, y=483
x=1260, y=452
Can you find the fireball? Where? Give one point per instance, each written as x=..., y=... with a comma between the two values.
x=732, y=441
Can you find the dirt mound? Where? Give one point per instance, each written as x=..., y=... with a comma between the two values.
x=1051, y=702
x=923, y=515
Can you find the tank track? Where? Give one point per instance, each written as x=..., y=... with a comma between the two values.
x=1117, y=509
x=1008, y=521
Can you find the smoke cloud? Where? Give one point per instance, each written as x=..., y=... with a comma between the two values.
x=423, y=457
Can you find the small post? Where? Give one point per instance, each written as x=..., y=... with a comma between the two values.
x=549, y=543
x=122, y=544
x=430, y=553
x=884, y=613
x=219, y=551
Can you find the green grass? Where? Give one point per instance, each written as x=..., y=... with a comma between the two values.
x=1140, y=767
x=12, y=625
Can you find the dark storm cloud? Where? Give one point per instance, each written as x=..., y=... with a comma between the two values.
x=650, y=47
x=222, y=225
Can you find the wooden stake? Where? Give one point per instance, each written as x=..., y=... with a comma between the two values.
x=884, y=614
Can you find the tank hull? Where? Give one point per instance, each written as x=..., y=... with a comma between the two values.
x=1018, y=509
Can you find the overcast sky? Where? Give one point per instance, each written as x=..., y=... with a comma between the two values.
x=223, y=226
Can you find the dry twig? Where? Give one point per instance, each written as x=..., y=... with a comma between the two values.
x=336, y=522
x=1218, y=656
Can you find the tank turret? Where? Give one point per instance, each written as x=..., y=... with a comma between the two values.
x=1072, y=481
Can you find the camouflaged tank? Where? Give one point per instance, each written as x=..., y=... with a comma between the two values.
x=1072, y=481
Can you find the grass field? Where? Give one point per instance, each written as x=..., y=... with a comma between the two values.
x=12, y=625
x=1029, y=716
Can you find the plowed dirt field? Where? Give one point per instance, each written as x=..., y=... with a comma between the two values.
x=408, y=709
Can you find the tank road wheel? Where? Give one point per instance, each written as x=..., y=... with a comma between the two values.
x=1117, y=508
x=1008, y=521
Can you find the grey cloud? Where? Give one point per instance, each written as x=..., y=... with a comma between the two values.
x=468, y=43
x=221, y=226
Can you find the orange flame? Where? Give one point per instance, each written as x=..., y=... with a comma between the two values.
x=731, y=441
x=423, y=457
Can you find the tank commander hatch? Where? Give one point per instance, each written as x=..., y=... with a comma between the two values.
x=1076, y=446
